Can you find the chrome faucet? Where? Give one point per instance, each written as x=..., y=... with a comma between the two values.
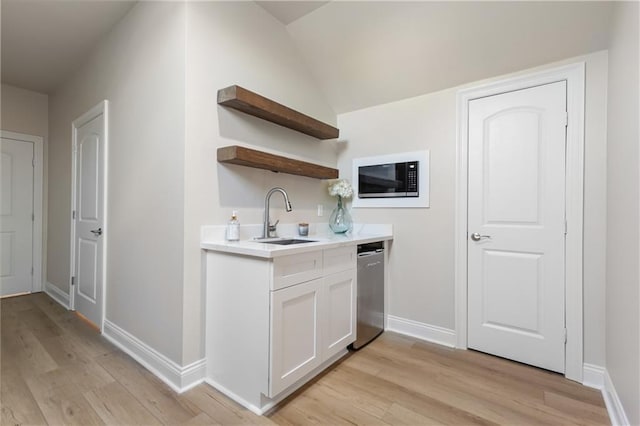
x=268, y=228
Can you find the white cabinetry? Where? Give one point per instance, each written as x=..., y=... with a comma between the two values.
x=295, y=336
x=272, y=324
x=339, y=314
x=296, y=269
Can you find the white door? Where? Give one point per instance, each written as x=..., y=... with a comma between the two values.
x=339, y=315
x=87, y=279
x=16, y=217
x=295, y=334
x=516, y=225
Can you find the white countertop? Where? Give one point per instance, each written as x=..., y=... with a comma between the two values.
x=212, y=238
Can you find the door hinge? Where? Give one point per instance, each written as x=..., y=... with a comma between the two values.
x=73, y=214
x=565, y=336
x=566, y=227
x=33, y=217
x=33, y=161
x=32, y=271
x=73, y=280
x=566, y=118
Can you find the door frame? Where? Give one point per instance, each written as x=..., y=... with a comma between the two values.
x=102, y=108
x=38, y=184
x=574, y=75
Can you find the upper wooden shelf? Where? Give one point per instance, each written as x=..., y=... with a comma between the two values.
x=251, y=103
x=276, y=163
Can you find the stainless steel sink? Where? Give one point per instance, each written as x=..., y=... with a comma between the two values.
x=286, y=241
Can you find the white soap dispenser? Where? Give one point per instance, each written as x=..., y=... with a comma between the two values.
x=233, y=227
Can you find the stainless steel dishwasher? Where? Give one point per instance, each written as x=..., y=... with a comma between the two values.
x=370, y=293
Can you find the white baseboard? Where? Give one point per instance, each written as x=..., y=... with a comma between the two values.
x=231, y=395
x=431, y=333
x=179, y=378
x=614, y=406
x=56, y=294
x=593, y=376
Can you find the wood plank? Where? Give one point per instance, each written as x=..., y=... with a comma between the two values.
x=261, y=160
x=49, y=306
x=82, y=377
x=18, y=303
x=94, y=344
x=154, y=395
x=201, y=419
x=591, y=413
x=440, y=411
x=251, y=103
x=62, y=404
x=24, y=350
x=115, y=405
x=39, y=323
x=314, y=400
x=369, y=403
x=472, y=392
x=66, y=351
x=518, y=378
x=18, y=404
x=399, y=415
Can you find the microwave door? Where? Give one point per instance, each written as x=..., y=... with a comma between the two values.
x=401, y=178
x=383, y=180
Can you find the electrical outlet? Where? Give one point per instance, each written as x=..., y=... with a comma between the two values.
x=320, y=210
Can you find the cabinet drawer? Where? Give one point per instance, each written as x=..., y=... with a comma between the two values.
x=339, y=259
x=295, y=269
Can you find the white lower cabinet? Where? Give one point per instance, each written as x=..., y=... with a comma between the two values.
x=339, y=316
x=255, y=352
x=295, y=335
x=310, y=323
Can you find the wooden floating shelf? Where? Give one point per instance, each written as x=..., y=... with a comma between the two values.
x=251, y=103
x=276, y=163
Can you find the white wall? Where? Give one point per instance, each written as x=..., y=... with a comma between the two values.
x=422, y=255
x=160, y=68
x=623, y=230
x=25, y=111
x=239, y=43
x=139, y=67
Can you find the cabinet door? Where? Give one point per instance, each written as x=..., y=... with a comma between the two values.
x=295, y=334
x=339, y=312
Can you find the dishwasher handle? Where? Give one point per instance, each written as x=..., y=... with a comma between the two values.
x=370, y=253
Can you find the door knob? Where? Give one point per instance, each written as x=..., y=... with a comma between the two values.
x=97, y=232
x=477, y=237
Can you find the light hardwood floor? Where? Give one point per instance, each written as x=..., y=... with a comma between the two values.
x=57, y=371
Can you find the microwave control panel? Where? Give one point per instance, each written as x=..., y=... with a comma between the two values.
x=412, y=178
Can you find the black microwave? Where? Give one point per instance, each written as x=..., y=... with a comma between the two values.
x=388, y=180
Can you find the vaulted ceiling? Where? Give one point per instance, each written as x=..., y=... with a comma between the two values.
x=44, y=41
x=369, y=53
x=362, y=53
x=289, y=11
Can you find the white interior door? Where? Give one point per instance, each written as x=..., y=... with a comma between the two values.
x=516, y=225
x=16, y=217
x=89, y=151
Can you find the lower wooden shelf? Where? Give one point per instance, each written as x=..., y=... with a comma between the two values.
x=261, y=160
